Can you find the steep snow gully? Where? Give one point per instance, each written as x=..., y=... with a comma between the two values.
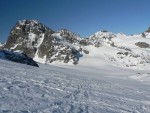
x=50, y=89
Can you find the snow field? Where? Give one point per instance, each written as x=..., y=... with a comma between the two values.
x=49, y=89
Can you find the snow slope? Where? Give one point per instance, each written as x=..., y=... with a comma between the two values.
x=118, y=50
x=50, y=89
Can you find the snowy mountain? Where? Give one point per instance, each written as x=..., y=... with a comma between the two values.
x=58, y=47
x=101, y=38
x=27, y=36
x=119, y=49
x=17, y=57
x=43, y=44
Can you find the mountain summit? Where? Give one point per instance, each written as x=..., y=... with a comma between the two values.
x=27, y=36
x=146, y=33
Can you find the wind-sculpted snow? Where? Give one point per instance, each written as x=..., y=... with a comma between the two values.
x=60, y=90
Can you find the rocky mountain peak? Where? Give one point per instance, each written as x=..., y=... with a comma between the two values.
x=146, y=33
x=102, y=37
x=68, y=36
x=31, y=26
x=27, y=35
x=148, y=30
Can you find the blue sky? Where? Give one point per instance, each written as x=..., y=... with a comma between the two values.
x=83, y=17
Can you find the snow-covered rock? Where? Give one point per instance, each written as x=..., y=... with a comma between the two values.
x=102, y=38
x=146, y=34
x=17, y=57
x=43, y=44
x=62, y=46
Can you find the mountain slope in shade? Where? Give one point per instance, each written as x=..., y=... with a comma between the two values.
x=17, y=57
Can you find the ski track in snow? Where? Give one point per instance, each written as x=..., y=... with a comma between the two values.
x=26, y=89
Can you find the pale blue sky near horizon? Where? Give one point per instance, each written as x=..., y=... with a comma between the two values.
x=84, y=17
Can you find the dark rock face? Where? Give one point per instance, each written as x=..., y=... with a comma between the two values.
x=17, y=57
x=59, y=47
x=146, y=33
x=69, y=36
x=148, y=30
x=85, y=42
x=142, y=45
x=46, y=45
x=26, y=36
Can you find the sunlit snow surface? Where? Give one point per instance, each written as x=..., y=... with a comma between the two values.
x=72, y=89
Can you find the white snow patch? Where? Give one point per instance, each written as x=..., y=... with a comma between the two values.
x=18, y=28
x=38, y=59
x=14, y=47
x=57, y=35
x=40, y=40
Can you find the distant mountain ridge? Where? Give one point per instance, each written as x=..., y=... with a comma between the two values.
x=45, y=45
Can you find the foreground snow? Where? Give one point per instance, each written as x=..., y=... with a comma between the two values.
x=26, y=89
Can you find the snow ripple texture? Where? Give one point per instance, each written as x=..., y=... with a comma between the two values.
x=40, y=90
